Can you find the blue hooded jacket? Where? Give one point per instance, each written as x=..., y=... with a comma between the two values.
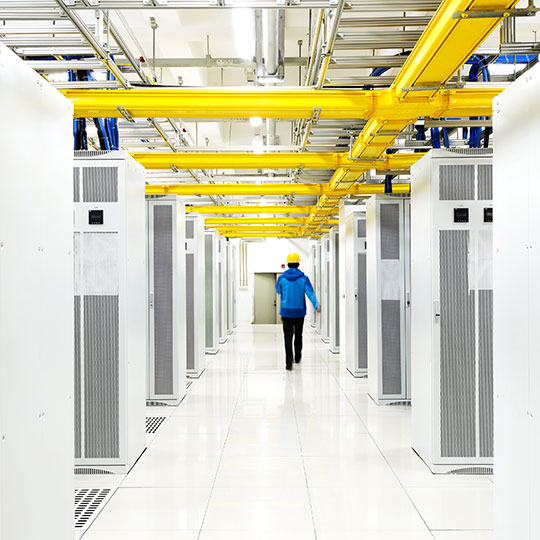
x=293, y=285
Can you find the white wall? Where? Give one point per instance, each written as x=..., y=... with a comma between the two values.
x=268, y=256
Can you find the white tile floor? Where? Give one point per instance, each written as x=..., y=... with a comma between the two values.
x=256, y=453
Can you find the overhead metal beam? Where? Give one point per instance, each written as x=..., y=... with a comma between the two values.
x=275, y=160
x=220, y=62
x=380, y=22
x=278, y=103
x=172, y=4
x=100, y=52
x=270, y=189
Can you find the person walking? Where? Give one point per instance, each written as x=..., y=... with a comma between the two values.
x=293, y=286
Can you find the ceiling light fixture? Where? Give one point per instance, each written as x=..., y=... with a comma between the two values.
x=258, y=144
x=244, y=32
x=255, y=121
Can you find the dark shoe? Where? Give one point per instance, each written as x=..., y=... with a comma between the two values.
x=288, y=367
x=298, y=360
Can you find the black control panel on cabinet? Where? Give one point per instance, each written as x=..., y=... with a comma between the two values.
x=488, y=215
x=461, y=215
x=95, y=217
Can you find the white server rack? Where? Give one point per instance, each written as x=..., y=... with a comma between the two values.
x=166, y=359
x=324, y=298
x=230, y=287
x=353, y=271
x=516, y=267
x=212, y=290
x=36, y=306
x=222, y=289
x=110, y=310
x=318, y=284
x=234, y=280
x=452, y=312
x=314, y=278
x=388, y=298
x=195, y=295
x=334, y=315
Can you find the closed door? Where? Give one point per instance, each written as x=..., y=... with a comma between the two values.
x=265, y=299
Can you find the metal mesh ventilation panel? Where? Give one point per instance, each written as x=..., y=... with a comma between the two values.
x=163, y=299
x=101, y=377
x=362, y=310
x=485, y=182
x=391, y=349
x=456, y=182
x=190, y=312
x=390, y=238
x=100, y=184
x=457, y=348
x=190, y=229
x=209, y=279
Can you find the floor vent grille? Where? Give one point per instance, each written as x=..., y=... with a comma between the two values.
x=91, y=470
x=473, y=470
x=153, y=423
x=88, y=502
x=154, y=403
x=402, y=403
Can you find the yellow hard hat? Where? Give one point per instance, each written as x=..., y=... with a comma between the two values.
x=293, y=258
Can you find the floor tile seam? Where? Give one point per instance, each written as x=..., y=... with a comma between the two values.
x=304, y=465
x=462, y=530
x=221, y=457
x=387, y=462
x=164, y=423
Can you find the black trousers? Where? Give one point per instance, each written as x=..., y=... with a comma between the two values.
x=293, y=327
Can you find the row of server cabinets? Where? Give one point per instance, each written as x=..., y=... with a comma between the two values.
x=416, y=294
x=98, y=312
x=220, y=279
x=325, y=273
x=375, y=296
x=144, y=305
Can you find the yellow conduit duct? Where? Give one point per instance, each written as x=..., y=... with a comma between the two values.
x=276, y=103
x=273, y=160
x=242, y=209
x=444, y=46
x=211, y=222
x=268, y=189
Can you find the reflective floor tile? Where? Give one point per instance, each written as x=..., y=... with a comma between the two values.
x=454, y=508
x=154, y=509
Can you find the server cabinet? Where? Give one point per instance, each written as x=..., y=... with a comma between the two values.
x=354, y=294
x=516, y=268
x=110, y=310
x=229, y=291
x=36, y=306
x=222, y=289
x=166, y=368
x=195, y=295
x=452, y=308
x=234, y=281
x=318, y=285
x=334, y=315
x=324, y=298
x=212, y=291
x=388, y=298
x=314, y=278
